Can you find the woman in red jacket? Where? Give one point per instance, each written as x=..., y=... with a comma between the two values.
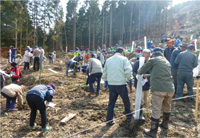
x=15, y=73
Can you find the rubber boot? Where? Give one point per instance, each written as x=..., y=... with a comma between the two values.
x=141, y=114
x=154, y=128
x=165, y=121
x=46, y=129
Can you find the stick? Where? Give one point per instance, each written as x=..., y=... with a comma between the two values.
x=131, y=96
x=197, y=102
x=68, y=117
x=145, y=42
x=53, y=71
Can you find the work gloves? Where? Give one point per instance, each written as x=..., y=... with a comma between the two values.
x=106, y=84
x=130, y=82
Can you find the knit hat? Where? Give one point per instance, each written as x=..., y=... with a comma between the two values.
x=52, y=85
x=157, y=50
x=191, y=47
x=13, y=64
x=184, y=45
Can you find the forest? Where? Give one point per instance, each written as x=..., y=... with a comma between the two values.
x=119, y=22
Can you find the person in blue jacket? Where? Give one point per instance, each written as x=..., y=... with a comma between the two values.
x=13, y=53
x=149, y=44
x=177, y=43
x=146, y=53
x=72, y=64
x=36, y=98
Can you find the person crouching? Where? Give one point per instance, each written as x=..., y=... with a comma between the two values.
x=36, y=98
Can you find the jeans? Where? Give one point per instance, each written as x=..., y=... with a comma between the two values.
x=26, y=65
x=184, y=77
x=50, y=60
x=36, y=61
x=35, y=102
x=92, y=79
x=116, y=90
x=10, y=101
x=13, y=58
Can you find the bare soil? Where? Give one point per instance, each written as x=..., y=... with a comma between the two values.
x=72, y=97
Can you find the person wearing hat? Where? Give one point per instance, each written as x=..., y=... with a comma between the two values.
x=117, y=71
x=162, y=88
x=13, y=53
x=36, y=98
x=169, y=49
x=71, y=64
x=186, y=62
x=27, y=57
x=15, y=73
x=174, y=66
x=102, y=57
x=146, y=54
x=36, y=63
x=12, y=92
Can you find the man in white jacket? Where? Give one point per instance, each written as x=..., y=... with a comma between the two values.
x=27, y=57
x=95, y=69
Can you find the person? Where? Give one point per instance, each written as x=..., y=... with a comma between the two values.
x=51, y=57
x=36, y=98
x=54, y=52
x=13, y=53
x=103, y=57
x=87, y=57
x=169, y=49
x=42, y=53
x=95, y=73
x=145, y=53
x=15, y=73
x=174, y=67
x=84, y=68
x=162, y=88
x=186, y=62
x=93, y=55
x=149, y=44
x=117, y=71
x=177, y=42
x=2, y=80
x=71, y=64
x=9, y=55
x=139, y=49
x=36, y=54
x=27, y=57
x=12, y=92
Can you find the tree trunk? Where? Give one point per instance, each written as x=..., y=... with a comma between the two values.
x=65, y=35
x=74, y=32
x=102, y=41
x=106, y=23
x=110, y=44
x=93, y=46
x=139, y=22
x=21, y=38
x=15, y=32
x=44, y=34
x=89, y=32
x=131, y=22
x=27, y=32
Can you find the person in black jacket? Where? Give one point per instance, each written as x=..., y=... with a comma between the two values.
x=146, y=53
x=36, y=98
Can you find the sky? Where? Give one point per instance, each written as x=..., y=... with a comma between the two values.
x=64, y=2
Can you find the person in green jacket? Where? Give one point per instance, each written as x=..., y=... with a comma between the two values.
x=186, y=62
x=162, y=88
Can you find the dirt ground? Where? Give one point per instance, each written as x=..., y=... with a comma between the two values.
x=90, y=111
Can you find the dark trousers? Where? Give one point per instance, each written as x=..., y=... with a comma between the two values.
x=36, y=63
x=92, y=78
x=35, y=102
x=10, y=101
x=116, y=90
x=26, y=65
x=184, y=77
x=174, y=75
x=13, y=58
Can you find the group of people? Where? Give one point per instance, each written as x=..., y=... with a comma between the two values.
x=165, y=72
